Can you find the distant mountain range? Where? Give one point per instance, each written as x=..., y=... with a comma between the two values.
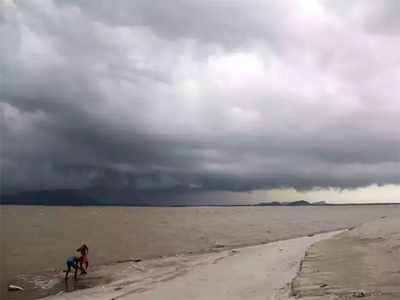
x=320, y=203
x=51, y=197
x=75, y=197
x=70, y=197
x=293, y=203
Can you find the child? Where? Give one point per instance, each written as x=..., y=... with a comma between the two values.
x=84, y=250
x=72, y=262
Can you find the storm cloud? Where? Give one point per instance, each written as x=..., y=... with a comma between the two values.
x=199, y=95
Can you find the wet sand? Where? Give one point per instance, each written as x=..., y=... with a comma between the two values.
x=33, y=232
x=361, y=263
x=40, y=285
x=255, y=272
x=37, y=240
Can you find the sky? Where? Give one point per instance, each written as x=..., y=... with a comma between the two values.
x=243, y=101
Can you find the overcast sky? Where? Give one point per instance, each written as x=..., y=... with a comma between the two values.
x=214, y=96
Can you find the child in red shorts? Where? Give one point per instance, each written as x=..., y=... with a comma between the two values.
x=83, y=259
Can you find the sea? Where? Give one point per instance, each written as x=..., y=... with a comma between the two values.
x=35, y=241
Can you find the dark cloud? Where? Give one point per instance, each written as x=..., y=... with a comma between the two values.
x=199, y=96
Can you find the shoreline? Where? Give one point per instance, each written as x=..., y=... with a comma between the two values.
x=358, y=263
x=227, y=273
x=49, y=282
x=314, y=266
x=147, y=233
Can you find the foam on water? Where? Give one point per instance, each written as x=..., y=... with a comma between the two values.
x=44, y=283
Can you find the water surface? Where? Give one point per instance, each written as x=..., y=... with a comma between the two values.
x=38, y=239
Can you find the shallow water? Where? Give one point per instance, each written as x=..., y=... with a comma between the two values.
x=38, y=239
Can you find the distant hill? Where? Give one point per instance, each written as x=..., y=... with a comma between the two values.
x=73, y=197
x=299, y=203
x=50, y=197
x=294, y=203
x=274, y=203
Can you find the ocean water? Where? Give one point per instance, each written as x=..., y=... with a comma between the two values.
x=36, y=240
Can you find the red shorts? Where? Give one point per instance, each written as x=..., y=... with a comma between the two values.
x=84, y=260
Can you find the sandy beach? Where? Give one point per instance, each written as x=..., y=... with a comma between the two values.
x=255, y=272
x=148, y=233
x=360, y=262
